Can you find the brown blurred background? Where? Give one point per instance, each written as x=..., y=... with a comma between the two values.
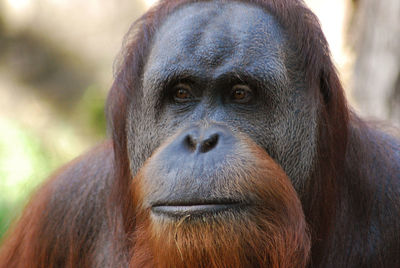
x=56, y=60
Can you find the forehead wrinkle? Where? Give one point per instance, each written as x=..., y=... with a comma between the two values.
x=219, y=38
x=274, y=73
x=183, y=29
x=216, y=43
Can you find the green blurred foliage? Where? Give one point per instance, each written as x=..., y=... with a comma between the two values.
x=27, y=158
x=24, y=163
x=67, y=87
x=91, y=110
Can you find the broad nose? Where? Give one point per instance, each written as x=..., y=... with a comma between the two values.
x=206, y=140
x=202, y=144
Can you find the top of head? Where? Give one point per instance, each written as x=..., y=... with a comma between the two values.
x=210, y=39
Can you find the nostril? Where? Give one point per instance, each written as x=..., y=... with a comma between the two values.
x=209, y=144
x=190, y=142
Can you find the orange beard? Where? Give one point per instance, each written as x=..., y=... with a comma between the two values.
x=270, y=233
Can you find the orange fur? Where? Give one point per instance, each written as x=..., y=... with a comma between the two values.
x=271, y=233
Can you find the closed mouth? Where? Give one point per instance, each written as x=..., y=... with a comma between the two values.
x=194, y=209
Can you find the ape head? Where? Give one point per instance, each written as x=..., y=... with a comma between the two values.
x=229, y=63
x=219, y=121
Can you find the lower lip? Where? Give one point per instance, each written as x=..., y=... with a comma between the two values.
x=192, y=210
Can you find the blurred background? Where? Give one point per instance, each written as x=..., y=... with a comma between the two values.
x=56, y=59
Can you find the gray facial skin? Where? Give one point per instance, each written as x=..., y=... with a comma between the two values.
x=210, y=48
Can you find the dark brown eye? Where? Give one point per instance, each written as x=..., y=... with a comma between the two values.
x=182, y=93
x=241, y=93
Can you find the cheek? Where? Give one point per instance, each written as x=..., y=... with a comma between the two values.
x=142, y=137
x=296, y=143
x=145, y=133
x=289, y=135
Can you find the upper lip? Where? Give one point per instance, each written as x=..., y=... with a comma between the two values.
x=194, y=207
x=194, y=202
